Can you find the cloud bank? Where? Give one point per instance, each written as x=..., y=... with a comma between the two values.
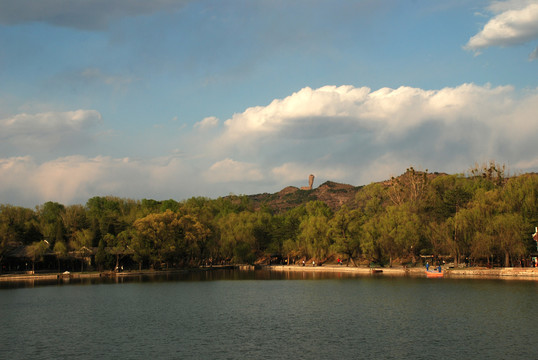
x=341, y=133
x=46, y=131
x=515, y=22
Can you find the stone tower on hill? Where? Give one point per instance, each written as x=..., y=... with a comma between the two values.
x=310, y=183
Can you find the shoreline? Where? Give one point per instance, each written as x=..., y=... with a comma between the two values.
x=103, y=274
x=460, y=273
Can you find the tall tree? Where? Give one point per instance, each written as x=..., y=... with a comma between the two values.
x=286, y=229
x=409, y=187
x=118, y=246
x=508, y=234
x=51, y=221
x=60, y=251
x=489, y=174
x=18, y=226
x=237, y=240
x=170, y=235
x=345, y=232
x=38, y=251
x=81, y=244
x=314, y=230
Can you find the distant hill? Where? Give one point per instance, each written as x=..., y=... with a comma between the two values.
x=333, y=194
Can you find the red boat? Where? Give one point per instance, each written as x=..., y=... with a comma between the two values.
x=434, y=274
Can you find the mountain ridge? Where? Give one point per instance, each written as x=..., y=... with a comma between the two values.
x=334, y=194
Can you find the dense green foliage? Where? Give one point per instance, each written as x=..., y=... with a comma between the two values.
x=483, y=216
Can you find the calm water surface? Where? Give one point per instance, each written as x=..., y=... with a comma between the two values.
x=262, y=315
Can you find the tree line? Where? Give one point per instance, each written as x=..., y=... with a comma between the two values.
x=482, y=216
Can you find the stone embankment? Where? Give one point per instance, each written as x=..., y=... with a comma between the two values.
x=462, y=273
x=459, y=273
x=28, y=276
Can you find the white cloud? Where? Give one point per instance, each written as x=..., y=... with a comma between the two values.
x=44, y=131
x=515, y=22
x=499, y=6
x=80, y=14
x=331, y=111
x=292, y=172
x=229, y=170
x=345, y=134
x=74, y=179
x=207, y=123
x=527, y=164
x=296, y=113
x=297, y=173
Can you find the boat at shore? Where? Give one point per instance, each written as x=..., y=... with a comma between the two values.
x=434, y=274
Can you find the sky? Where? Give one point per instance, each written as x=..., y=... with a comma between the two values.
x=172, y=99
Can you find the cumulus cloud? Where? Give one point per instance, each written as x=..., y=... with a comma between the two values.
x=515, y=22
x=46, y=131
x=348, y=134
x=446, y=129
x=332, y=111
x=296, y=115
x=74, y=179
x=207, y=123
x=80, y=14
x=229, y=170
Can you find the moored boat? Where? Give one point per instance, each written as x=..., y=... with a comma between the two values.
x=434, y=274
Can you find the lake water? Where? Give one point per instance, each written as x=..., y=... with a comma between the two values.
x=268, y=315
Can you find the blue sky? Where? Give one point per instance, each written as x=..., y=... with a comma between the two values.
x=176, y=98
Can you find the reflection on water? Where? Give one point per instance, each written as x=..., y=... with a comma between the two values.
x=210, y=315
x=195, y=275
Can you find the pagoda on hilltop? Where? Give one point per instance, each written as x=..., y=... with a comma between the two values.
x=310, y=183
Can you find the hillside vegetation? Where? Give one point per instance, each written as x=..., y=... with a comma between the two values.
x=482, y=217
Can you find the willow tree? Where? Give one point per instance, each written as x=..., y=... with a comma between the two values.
x=371, y=244
x=399, y=232
x=285, y=232
x=195, y=235
x=509, y=236
x=439, y=235
x=118, y=246
x=488, y=226
x=314, y=230
x=51, y=221
x=371, y=202
x=521, y=196
x=345, y=232
x=237, y=240
x=81, y=243
x=37, y=252
x=60, y=251
x=74, y=219
x=169, y=236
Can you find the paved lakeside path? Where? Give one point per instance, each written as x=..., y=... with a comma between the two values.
x=461, y=273
x=109, y=274
x=517, y=273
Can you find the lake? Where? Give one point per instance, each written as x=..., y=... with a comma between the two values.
x=269, y=315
